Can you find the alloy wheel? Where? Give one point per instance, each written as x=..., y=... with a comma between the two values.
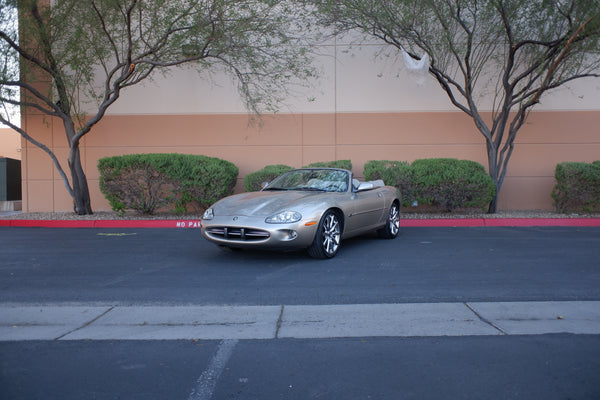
x=331, y=234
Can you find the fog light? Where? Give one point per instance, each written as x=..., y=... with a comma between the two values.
x=289, y=235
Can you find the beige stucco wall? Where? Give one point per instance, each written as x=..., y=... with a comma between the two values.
x=550, y=137
x=362, y=108
x=10, y=144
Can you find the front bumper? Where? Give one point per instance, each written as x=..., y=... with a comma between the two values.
x=254, y=232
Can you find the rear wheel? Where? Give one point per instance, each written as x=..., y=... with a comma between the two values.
x=392, y=224
x=328, y=237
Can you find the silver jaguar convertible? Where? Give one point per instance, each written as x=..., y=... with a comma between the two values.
x=311, y=208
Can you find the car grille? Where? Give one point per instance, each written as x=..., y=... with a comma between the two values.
x=235, y=233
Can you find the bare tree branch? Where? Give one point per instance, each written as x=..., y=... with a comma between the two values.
x=89, y=52
x=532, y=47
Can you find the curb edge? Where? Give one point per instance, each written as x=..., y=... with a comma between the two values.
x=406, y=223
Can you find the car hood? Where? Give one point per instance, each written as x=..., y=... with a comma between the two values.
x=264, y=204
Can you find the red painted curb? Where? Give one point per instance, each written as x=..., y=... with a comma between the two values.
x=164, y=223
x=32, y=223
x=500, y=222
x=542, y=222
x=409, y=223
x=101, y=223
x=450, y=222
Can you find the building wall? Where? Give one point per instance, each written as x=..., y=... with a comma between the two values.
x=362, y=109
x=299, y=139
x=10, y=144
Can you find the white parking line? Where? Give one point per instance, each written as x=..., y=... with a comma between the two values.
x=206, y=383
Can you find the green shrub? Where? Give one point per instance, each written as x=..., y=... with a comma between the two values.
x=375, y=169
x=204, y=180
x=148, y=182
x=343, y=164
x=254, y=180
x=451, y=184
x=393, y=173
x=442, y=183
x=577, y=187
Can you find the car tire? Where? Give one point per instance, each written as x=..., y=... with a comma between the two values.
x=392, y=223
x=328, y=237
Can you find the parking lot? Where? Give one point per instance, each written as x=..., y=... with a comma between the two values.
x=439, y=312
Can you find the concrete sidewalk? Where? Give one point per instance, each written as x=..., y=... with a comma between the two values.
x=93, y=322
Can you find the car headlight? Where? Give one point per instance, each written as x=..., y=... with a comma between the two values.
x=208, y=214
x=285, y=217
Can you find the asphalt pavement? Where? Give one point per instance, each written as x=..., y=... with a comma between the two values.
x=155, y=284
x=438, y=313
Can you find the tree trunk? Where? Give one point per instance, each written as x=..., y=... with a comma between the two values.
x=81, y=194
x=493, y=208
x=494, y=174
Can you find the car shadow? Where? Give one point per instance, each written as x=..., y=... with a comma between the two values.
x=362, y=244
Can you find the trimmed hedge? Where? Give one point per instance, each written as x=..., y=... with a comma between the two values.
x=148, y=182
x=445, y=184
x=343, y=164
x=577, y=187
x=393, y=173
x=452, y=184
x=254, y=180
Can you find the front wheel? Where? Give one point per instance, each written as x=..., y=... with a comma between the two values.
x=328, y=237
x=392, y=224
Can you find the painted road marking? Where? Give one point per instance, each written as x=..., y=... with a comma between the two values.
x=207, y=382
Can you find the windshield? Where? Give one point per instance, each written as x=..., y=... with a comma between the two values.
x=325, y=180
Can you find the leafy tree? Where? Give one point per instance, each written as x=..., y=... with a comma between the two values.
x=86, y=52
x=511, y=51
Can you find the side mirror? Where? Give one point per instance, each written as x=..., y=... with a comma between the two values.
x=365, y=186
